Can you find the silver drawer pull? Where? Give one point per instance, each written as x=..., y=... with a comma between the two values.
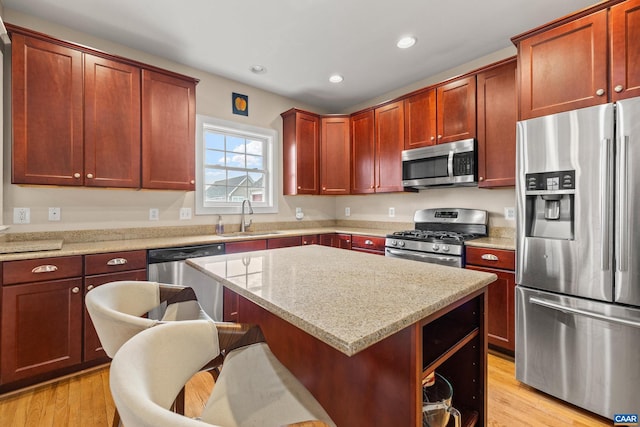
x=117, y=261
x=48, y=268
x=368, y=242
x=75, y=289
x=489, y=257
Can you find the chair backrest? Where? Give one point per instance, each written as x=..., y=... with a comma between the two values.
x=115, y=309
x=151, y=368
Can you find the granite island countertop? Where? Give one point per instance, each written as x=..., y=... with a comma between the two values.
x=347, y=299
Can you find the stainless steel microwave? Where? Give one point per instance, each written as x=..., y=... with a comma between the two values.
x=450, y=164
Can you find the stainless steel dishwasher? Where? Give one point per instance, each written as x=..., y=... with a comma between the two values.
x=168, y=266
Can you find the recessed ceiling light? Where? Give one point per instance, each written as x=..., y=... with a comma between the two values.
x=406, y=42
x=336, y=78
x=258, y=69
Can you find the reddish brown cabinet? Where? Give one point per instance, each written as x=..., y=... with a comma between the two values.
x=335, y=155
x=336, y=240
x=245, y=246
x=368, y=244
x=362, y=153
x=230, y=299
x=301, y=148
x=311, y=239
x=497, y=116
x=284, y=242
x=456, y=110
x=624, y=28
x=501, y=293
x=420, y=128
x=104, y=268
x=47, y=116
x=42, y=304
x=563, y=68
x=389, y=140
x=168, y=131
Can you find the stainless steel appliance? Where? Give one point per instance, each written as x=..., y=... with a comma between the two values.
x=167, y=266
x=578, y=263
x=439, y=236
x=450, y=164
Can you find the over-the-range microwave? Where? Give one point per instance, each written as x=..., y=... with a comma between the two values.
x=449, y=164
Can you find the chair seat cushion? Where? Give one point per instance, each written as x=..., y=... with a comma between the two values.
x=255, y=389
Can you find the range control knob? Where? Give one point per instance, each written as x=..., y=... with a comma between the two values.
x=445, y=248
x=436, y=247
x=394, y=243
x=401, y=244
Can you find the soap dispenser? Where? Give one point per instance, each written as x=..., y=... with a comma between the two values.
x=219, y=226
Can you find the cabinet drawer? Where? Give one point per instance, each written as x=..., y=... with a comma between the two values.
x=494, y=258
x=115, y=261
x=284, y=242
x=367, y=242
x=37, y=270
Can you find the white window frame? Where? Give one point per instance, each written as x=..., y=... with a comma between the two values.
x=269, y=136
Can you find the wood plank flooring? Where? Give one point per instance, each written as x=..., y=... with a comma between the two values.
x=84, y=400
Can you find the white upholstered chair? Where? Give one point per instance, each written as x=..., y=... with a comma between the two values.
x=116, y=310
x=253, y=389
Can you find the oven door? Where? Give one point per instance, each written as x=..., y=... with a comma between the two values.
x=448, y=260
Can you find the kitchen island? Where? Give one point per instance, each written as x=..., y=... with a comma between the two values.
x=362, y=331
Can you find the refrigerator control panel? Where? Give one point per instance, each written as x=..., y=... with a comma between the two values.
x=551, y=181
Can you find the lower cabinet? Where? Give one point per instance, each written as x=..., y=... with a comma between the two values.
x=336, y=240
x=368, y=244
x=46, y=331
x=501, y=293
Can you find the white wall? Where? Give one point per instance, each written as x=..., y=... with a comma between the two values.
x=83, y=208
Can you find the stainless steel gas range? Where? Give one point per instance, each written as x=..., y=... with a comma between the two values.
x=439, y=236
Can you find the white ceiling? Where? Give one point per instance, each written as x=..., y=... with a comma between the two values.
x=302, y=42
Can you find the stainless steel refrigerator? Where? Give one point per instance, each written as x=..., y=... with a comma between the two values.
x=578, y=256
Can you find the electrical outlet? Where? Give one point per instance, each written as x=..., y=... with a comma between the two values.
x=510, y=213
x=185, y=213
x=298, y=210
x=54, y=214
x=21, y=215
x=392, y=212
x=347, y=211
x=154, y=214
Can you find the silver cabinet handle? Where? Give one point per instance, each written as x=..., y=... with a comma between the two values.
x=592, y=314
x=90, y=287
x=48, y=268
x=618, y=88
x=117, y=261
x=600, y=92
x=76, y=175
x=89, y=175
x=490, y=257
x=75, y=289
x=368, y=242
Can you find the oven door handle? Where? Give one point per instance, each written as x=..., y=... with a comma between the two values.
x=420, y=257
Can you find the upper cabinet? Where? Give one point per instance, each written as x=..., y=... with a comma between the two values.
x=497, y=117
x=168, y=132
x=389, y=143
x=362, y=153
x=456, y=105
x=79, y=117
x=335, y=155
x=300, y=151
x=625, y=50
x=446, y=113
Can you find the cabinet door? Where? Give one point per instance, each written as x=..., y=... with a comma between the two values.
x=564, y=68
x=389, y=136
x=497, y=116
x=311, y=239
x=456, y=104
x=168, y=132
x=46, y=112
x=420, y=120
x=625, y=50
x=112, y=123
x=41, y=328
x=229, y=305
x=92, y=348
x=500, y=307
x=362, y=153
x=301, y=151
x=284, y=242
x=335, y=156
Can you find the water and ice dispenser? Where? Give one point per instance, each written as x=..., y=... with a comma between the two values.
x=550, y=204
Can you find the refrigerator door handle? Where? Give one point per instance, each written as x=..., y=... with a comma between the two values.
x=622, y=249
x=605, y=201
x=587, y=313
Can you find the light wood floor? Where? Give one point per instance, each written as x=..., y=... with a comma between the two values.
x=84, y=400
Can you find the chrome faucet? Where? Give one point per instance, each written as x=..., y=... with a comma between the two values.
x=243, y=225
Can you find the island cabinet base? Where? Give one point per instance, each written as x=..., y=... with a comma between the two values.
x=382, y=384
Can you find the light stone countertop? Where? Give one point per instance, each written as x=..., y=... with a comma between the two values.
x=347, y=299
x=35, y=249
x=493, y=243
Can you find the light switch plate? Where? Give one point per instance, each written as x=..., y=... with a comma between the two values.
x=154, y=214
x=347, y=211
x=510, y=213
x=21, y=215
x=392, y=212
x=185, y=213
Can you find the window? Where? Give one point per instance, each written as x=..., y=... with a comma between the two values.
x=234, y=162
